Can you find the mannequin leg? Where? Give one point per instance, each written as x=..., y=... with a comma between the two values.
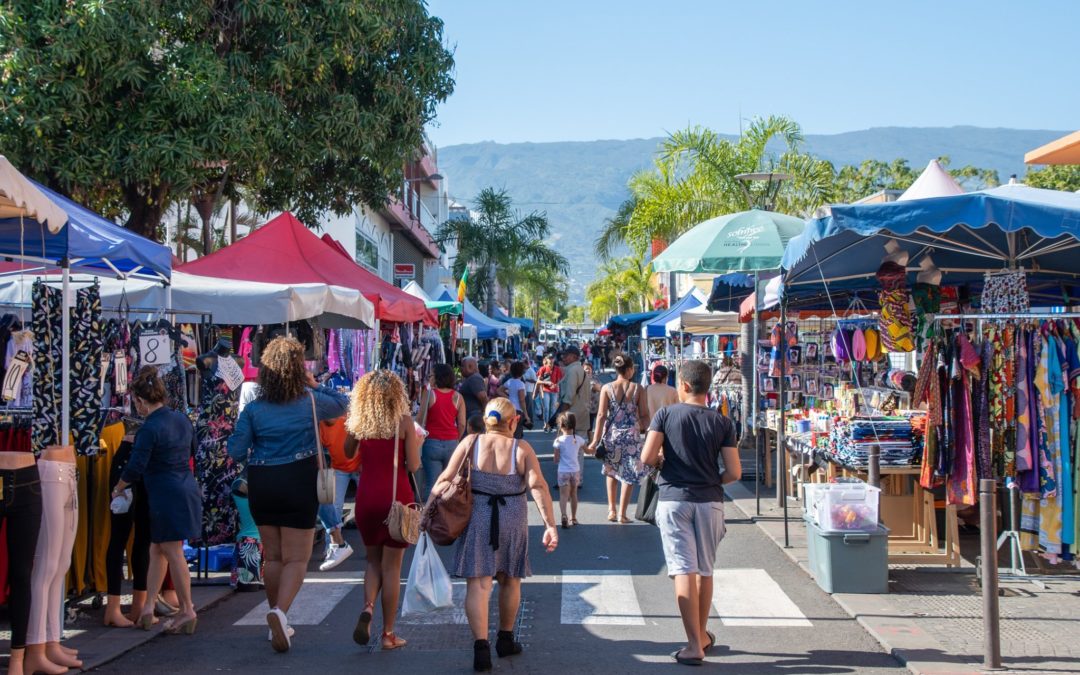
x=56, y=499
x=69, y=527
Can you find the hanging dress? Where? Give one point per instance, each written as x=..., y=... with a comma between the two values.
x=214, y=469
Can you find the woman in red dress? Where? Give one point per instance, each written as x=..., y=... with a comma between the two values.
x=379, y=412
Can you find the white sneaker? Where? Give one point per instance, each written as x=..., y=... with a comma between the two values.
x=335, y=555
x=279, y=630
x=289, y=630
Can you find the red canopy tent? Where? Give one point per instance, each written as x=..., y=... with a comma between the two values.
x=285, y=251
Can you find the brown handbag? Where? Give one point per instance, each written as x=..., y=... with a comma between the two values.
x=448, y=514
x=403, y=521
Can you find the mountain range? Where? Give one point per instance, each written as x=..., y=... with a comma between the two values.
x=579, y=184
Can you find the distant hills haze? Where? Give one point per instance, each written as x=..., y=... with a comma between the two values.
x=581, y=183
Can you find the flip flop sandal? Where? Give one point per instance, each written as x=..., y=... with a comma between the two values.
x=685, y=660
x=565, y=523
x=362, y=633
x=712, y=640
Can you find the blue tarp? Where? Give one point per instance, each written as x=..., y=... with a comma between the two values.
x=964, y=235
x=729, y=290
x=624, y=321
x=87, y=240
x=526, y=324
x=657, y=326
x=486, y=327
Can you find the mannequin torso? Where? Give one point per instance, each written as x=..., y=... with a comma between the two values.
x=59, y=453
x=9, y=461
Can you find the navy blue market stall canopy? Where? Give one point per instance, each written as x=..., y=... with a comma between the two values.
x=526, y=324
x=624, y=322
x=89, y=242
x=656, y=327
x=486, y=327
x=1012, y=226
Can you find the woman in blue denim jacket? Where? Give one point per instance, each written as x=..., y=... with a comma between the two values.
x=275, y=438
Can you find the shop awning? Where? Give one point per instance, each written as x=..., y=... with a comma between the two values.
x=284, y=251
x=1065, y=150
x=657, y=327
x=71, y=232
x=964, y=236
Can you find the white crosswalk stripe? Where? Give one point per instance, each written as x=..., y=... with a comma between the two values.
x=600, y=597
x=750, y=597
x=741, y=597
x=316, y=599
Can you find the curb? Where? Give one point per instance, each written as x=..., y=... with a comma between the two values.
x=118, y=642
x=901, y=638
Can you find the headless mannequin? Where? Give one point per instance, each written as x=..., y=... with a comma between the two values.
x=929, y=273
x=207, y=362
x=893, y=253
x=43, y=654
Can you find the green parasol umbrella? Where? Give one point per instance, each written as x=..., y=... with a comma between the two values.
x=747, y=241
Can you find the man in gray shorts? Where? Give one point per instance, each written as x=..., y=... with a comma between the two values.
x=696, y=448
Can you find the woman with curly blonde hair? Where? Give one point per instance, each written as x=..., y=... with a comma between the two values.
x=275, y=438
x=379, y=420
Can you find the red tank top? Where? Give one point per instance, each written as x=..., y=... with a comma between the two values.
x=442, y=417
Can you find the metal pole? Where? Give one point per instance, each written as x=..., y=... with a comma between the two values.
x=989, y=566
x=874, y=469
x=781, y=450
x=65, y=358
x=1013, y=491
x=755, y=404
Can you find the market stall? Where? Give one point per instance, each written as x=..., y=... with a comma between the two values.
x=973, y=293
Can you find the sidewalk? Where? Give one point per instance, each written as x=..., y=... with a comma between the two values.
x=98, y=645
x=931, y=620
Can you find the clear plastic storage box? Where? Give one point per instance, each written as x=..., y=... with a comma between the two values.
x=843, y=507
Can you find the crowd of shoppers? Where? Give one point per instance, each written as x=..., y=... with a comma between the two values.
x=373, y=441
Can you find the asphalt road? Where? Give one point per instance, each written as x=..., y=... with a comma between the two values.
x=617, y=616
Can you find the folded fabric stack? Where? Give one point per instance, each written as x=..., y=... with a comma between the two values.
x=851, y=441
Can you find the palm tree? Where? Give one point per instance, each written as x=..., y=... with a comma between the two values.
x=497, y=244
x=541, y=292
x=624, y=284
x=694, y=179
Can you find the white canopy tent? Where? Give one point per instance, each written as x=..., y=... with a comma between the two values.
x=228, y=301
x=700, y=321
x=19, y=198
x=934, y=181
x=414, y=289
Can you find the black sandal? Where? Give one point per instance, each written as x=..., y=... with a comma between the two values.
x=362, y=633
x=685, y=660
x=565, y=523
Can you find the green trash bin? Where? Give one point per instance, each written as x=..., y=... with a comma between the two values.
x=849, y=562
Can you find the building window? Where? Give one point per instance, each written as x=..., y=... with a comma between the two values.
x=367, y=253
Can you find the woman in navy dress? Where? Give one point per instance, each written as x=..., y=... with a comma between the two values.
x=161, y=456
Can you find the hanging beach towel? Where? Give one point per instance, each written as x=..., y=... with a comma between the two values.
x=858, y=345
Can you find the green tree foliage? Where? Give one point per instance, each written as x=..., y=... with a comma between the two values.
x=622, y=285
x=130, y=105
x=499, y=246
x=694, y=179
x=852, y=183
x=1055, y=178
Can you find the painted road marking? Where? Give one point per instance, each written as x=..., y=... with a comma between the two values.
x=750, y=597
x=600, y=597
x=316, y=599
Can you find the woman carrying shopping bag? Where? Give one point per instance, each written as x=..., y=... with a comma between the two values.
x=379, y=419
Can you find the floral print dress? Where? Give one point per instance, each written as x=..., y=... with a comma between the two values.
x=214, y=469
x=622, y=438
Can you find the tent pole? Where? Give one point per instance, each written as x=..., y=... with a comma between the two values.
x=755, y=405
x=781, y=450
x=378, y=346
x=65, y=358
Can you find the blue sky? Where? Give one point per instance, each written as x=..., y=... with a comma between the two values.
x=588, y=69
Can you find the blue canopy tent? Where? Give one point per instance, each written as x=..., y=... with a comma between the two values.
x=623, y=322
x=486, y=327
x=526, y=324
x=39, y=226
x=656, y=327
x=1012, y=226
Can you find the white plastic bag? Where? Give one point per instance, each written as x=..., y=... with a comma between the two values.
x=428, y=587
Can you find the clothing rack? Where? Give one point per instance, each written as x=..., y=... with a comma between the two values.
x=1010, y=534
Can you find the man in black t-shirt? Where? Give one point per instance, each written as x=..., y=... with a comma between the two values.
x=699, y=455
x=473, y=387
